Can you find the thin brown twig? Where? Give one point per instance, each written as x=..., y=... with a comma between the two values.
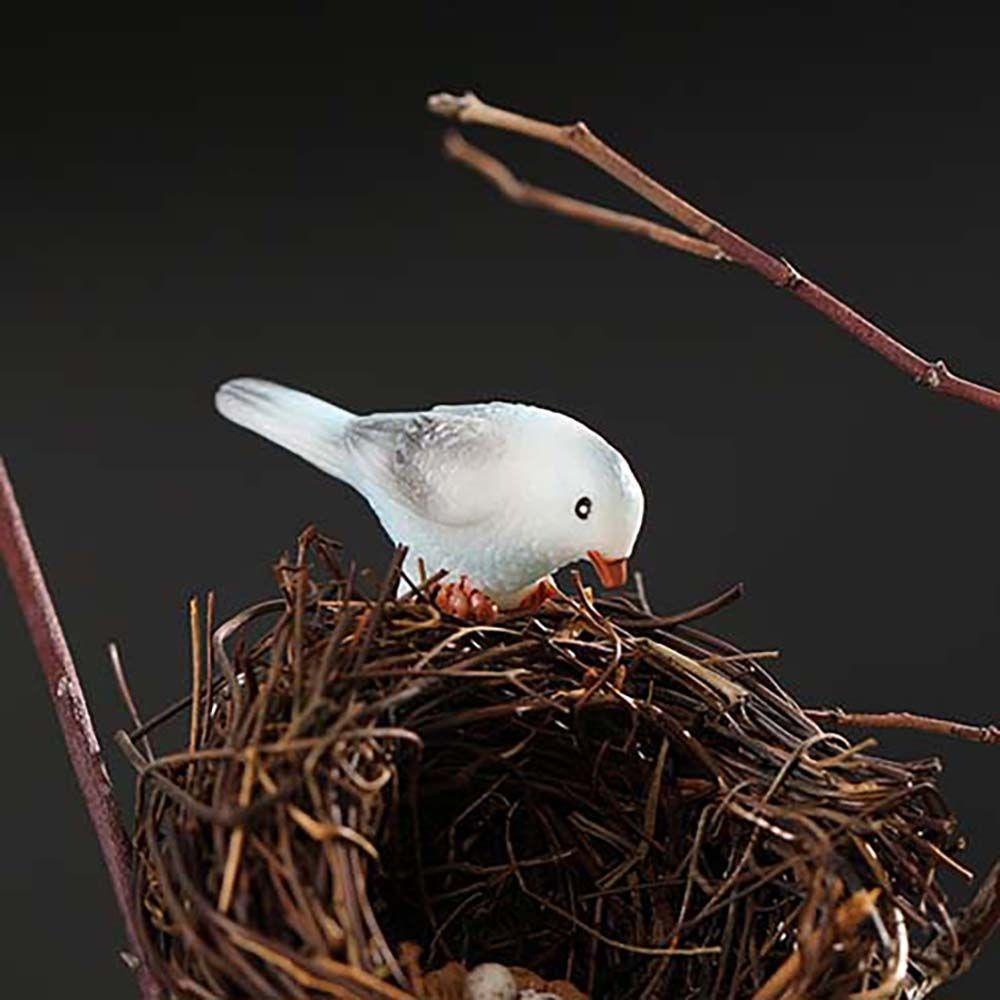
x=194, y=618
x=703, y=610
x=905, y=720
x=73, y=716
x=126, y=694
x=578, y=139
x=209, y=625
x=530, y=196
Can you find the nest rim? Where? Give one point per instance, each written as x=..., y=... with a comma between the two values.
x=839, y=902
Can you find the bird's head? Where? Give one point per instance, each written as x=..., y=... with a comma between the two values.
x=592, y=502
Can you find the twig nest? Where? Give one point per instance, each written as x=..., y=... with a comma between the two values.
x=590, y=792
x=490, y=981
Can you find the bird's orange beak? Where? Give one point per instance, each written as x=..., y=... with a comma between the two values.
x=613, y=572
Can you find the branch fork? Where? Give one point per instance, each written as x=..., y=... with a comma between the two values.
x=711, y=239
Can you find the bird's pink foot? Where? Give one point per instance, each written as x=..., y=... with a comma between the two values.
x=462, y=600
x=543, y=591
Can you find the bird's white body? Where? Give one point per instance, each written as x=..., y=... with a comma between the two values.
x=489, y=491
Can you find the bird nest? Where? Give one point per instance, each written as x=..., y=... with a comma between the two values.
x=373, y=798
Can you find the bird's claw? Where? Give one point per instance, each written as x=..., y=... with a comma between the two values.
x=462, y=600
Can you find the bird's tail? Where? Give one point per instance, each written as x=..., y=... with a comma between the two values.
x=308, y=427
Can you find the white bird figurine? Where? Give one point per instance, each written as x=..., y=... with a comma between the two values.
x=500, y=495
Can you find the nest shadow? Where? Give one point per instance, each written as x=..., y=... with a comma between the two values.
x=593, y=792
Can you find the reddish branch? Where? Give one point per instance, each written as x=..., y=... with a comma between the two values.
x=531, y=196
x=950, y=956
x=905, y=720
x=71, y=711
x=712, y=238
x=978, y=922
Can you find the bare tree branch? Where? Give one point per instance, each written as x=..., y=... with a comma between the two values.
x=73, y=715
x=531, y=196
x=578, y=138
x=905, y=720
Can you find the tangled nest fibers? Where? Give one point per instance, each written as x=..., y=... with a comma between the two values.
x=606, y=797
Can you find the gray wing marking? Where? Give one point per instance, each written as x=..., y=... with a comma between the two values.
x=444, y=464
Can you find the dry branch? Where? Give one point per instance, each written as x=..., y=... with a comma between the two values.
x=953, y=955
x=73, y=715
x=531, y=196
x=906, y=720
x=578, y=139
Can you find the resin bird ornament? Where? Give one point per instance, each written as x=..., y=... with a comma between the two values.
x=499, y=495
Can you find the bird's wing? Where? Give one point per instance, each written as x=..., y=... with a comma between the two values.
x=446, y=464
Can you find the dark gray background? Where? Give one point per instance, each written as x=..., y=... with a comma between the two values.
x=198, y=198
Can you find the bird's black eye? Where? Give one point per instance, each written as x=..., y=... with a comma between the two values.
x=583, y=508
